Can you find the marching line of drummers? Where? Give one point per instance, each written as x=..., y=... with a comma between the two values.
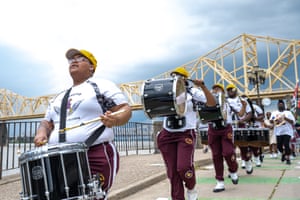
x=235, y=121
x=63, y=170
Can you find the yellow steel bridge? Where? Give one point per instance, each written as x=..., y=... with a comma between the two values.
x=228, y=63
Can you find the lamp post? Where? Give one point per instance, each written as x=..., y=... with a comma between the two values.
x=257, y=77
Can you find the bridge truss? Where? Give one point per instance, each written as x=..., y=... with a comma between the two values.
x=226, y=64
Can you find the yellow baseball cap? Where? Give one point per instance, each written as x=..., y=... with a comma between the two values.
x=73, y=52
x=230, y=86
x=182, y=71
x=218, y=85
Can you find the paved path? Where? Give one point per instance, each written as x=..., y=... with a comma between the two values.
x=142, y=177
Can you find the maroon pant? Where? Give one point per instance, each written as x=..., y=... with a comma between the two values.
x=247, y=151
x=222, y=147
x=104, y=161
x=177, y=150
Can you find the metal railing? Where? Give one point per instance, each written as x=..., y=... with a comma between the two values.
x=16, y=137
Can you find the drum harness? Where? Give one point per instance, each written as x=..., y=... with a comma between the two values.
x=176, y=121
x=103, y=102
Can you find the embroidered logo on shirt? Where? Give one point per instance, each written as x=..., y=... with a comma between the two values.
x=72, y=107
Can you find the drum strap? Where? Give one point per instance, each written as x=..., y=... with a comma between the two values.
x=93, y=137
x=63, y=113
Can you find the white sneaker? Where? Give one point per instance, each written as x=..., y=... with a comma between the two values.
x=234, y=178
x=257, y=161
x=274, y=155
x=192, y=194
x=219, y=187
x=249, y=168
x=243, y=164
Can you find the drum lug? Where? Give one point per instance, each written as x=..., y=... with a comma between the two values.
x=95, y=187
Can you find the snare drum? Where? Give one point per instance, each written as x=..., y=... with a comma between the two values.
x=257, y=137
x=164, y=97
x=208, y=114
x=55, y=172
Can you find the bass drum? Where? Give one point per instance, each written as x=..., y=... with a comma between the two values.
x=164, y=97
x=218, y=112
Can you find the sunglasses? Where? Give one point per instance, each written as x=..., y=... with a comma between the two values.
x=78, y=59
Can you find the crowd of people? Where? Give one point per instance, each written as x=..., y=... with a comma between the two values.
x=222, y=110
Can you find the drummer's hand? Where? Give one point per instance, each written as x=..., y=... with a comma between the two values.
x=40, y=139
x=108, y=119
x=244, y=102
x=198, y=82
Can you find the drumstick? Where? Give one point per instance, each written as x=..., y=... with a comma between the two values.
x=43, y=142
x=90, y=121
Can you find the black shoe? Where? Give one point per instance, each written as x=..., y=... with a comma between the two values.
x=218, y=190
x=261, y=158
x=249, y=172
x=288, y=162
x=282, y=158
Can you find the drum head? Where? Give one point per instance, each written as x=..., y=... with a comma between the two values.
x=180, y=96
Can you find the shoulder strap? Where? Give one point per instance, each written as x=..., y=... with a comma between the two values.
x=63, y=114
x=100, y=98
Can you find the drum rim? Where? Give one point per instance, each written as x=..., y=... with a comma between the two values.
x=43, y=152
x=175, y=95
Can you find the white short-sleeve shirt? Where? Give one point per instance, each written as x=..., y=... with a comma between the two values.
x=83, y=106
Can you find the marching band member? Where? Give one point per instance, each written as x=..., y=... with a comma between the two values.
x=177, y=140
x=283, y=121
x=222, y=147
x=272, y=136
x=87, y=99
x=256, y=121
x=239, y=115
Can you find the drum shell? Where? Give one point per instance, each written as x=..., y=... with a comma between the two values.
x=209, y=114
x=43, y=171
x=159, y=97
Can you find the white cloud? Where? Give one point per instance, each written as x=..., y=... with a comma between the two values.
x=127, y=35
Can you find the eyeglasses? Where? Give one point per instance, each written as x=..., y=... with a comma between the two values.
x=78, y=59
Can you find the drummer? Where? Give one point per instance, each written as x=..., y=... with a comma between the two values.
x=177, y=140
x=239, y=114
x=256, y=122
x=221, y=144
x=88, y=98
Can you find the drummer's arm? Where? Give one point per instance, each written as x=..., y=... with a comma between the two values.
x=247, y=118
x=260, y=117
x=243, y=109
x=43, y=132
x=288, y=120
x=211, y=101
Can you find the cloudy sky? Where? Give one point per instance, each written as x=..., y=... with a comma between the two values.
x=131, y=39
